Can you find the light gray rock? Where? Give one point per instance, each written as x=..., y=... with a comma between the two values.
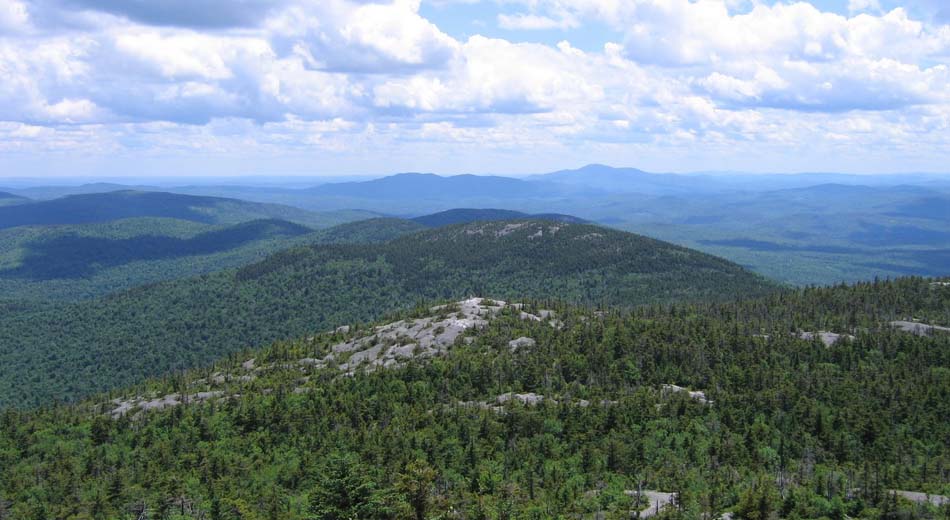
x=922, y=498
x=828, y=338
x=693, y=394
x=657, y=499
x=520, y=343
x=528, y=399
x=920, y=329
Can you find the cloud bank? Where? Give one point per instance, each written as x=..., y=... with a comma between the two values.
x=341, y=85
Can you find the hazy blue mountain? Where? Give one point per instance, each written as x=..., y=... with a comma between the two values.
x=104, y=207
x=800, y=228
x=930, y=208
x=9, y=199
x=609, y=179
x=53, y=191
x=465, y=215
x=431, y=186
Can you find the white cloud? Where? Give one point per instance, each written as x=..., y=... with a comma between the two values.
x=347, y=76
x=493, y=75
x=186, y=54
x=14, y=16
x=345, y=36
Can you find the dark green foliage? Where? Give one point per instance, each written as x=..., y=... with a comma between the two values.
x=369, y=231
x=69, y=350
x=74, y=256
x=760, y=501
x=345, y=488
x=796, y=429
x=83, y=261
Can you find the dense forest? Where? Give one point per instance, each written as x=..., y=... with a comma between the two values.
x=64, y=351
x=68, y=263
x=579, y=421
x=74, y=256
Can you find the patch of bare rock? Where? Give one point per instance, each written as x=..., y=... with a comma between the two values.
x=693, y=394
x=389, y=345
x=385, y=346
x=657, y=499
x=828, y=338
x=124, y=406
x=917, y=328
x=922, y=498
x=521, y=343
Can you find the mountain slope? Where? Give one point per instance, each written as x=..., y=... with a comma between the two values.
x=466, y=215
x=632, y=180
x=9, y=199
x=73, y=262
x=528, y=409
x=170, y=326
x=104, y=207
x=72, y=256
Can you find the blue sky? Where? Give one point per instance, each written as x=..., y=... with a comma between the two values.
x=335, y=87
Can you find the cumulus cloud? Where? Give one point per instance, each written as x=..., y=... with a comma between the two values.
x=14, y=16
x=345, y=36
x=350, y=75
x=494, y=75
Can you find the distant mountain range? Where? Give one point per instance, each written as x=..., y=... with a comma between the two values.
x=114, y=205
x=824, y=222
x=430, y=186
x=595, y=178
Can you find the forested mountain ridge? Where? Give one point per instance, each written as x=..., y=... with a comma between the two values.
x=104, y=207
x=526, y=410
x=9, y=199
x=74, y=256
x=82, y=261
x=64, y=351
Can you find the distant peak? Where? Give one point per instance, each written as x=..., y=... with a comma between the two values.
x=414, y=174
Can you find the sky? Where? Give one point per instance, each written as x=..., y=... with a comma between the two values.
x=339, y=87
